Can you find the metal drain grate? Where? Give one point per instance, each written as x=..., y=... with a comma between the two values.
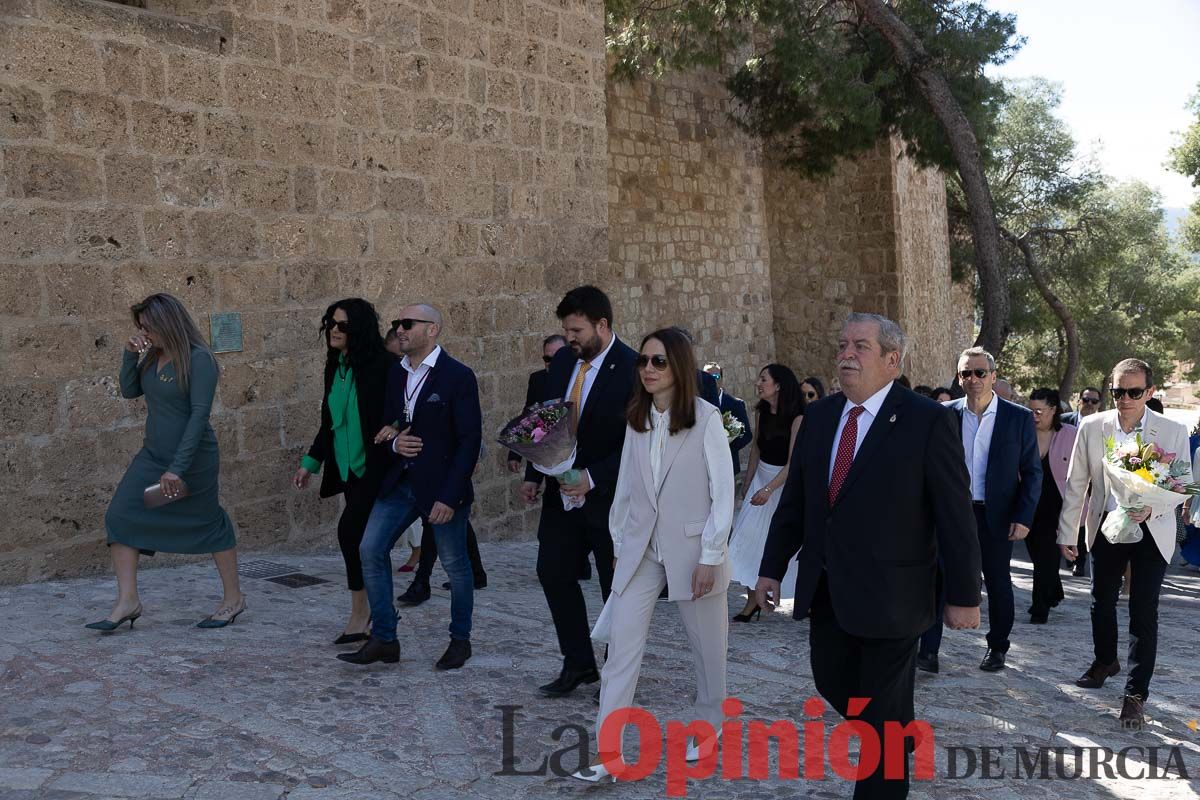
x=297, y=580
x=263, y=569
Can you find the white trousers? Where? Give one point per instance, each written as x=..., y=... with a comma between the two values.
x=707, y=624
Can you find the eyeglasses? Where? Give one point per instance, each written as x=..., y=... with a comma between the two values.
x=1134, y=394
x=547, y=359
x=407, y=323
x=1037, y=412
x=344, y=327
x=716, y=375
x=1092, y=401
x=659, y=362
x=810, y=395
x=973, y=373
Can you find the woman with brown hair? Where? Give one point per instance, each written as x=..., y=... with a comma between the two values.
x=178, y=462
x=669, y=523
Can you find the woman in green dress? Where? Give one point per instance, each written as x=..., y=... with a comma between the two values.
x=178, y=377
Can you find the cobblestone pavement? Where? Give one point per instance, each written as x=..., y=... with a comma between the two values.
x=263, y=710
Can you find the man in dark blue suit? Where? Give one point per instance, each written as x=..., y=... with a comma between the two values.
x=1001, y=451
x=435, y=433
x=735, y=406
x=596, y=372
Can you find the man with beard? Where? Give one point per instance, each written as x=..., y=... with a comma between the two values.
x=595, y=372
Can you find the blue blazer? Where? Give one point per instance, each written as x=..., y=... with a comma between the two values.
x=737, y=407
x=449, y=421
x=1014, y=469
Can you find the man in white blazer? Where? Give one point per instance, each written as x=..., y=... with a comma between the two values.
x=1133, y=385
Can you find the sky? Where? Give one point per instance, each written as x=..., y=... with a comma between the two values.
x=1126, y=70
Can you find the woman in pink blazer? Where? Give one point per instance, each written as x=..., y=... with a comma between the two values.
x=1055, y=441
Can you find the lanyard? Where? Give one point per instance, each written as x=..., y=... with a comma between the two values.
x=409, y=398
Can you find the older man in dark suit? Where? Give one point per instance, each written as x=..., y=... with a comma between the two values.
x=596, y=373
x=876, y=491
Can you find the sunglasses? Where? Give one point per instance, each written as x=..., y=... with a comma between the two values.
x=547, y=359
x=344, y=327
x=810, y=395
x=1134, y=394
x=659, y=362
x=973, y=373
x=1091, y=401
x=407, y=323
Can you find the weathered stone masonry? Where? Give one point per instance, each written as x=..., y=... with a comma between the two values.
x=270, y=156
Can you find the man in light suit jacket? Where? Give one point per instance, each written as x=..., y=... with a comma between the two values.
x=1133, y=385
x=876, y=492
x=728, y=404
x=595, y=370
x=1001, y=451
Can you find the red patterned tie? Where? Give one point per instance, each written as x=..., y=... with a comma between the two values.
x=845, y=454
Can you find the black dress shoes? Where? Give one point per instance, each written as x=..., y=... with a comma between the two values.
x=993, y=661
x=456, y=654
x=927, y=662
x=1097, y=674
x=374, y=650
x=415, y=594
x=567, y=680
x=1133, y=712
x=480, y=583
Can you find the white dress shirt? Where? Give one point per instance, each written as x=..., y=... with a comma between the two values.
x=977, y=443
x=870, y=410
x=590, y=377
x=1119, y=438
x=416, y=375
x=714, y=539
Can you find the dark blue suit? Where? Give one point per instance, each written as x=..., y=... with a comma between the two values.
x=447, y=418
x=566, y=537
x=1013, y=488
x=737, y=407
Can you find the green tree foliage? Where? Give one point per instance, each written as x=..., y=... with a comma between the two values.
x=1185, y=159
x=812, y=78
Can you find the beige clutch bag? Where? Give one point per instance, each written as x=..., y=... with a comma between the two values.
x=153, y=496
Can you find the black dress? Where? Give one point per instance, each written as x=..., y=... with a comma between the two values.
x=1042, y=544
x=774, y=439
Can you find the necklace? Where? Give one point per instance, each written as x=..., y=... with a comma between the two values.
x=409, y=398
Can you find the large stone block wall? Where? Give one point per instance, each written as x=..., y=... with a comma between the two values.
x=268, y=157
x=687, y=222
x=871, y=237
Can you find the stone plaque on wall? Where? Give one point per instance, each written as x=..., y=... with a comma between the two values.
x=226, y=332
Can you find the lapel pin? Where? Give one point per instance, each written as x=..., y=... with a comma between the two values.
x=612, y=366
x=893, y=419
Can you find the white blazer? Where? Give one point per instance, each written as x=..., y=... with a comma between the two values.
x=1087, y=468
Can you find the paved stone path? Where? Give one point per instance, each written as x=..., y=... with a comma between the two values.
x=263, y=710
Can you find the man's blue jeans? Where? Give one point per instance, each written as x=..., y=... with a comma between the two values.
x=391, y=516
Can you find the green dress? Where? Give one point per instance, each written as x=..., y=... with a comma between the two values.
x=178, y=439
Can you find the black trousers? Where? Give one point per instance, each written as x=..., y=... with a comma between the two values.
x=564, y=539
x=846, y=666
x=1148, y=569
x=1047, y=585
x=429, y=554
x=360, y=499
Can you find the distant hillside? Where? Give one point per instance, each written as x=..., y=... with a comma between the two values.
x=1173, y=217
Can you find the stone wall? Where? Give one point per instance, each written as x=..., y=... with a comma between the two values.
x=871, y=237
x=268, y=157
x=687, y=226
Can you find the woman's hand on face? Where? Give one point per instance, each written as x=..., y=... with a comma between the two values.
x=138, y=344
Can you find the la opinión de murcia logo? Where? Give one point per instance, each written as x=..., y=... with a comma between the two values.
x=743, y=751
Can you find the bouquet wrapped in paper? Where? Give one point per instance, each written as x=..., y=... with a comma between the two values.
x=545, y=435
x=1143, y=475
x=733, y=426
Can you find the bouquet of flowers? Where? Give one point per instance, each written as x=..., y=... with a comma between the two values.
x=1143, y=475
x=545, y=435
x=733, y=426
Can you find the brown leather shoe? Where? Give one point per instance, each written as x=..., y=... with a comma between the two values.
x=1133, y=712
x=1097, y=674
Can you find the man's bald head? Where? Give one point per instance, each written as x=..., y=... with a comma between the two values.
x=425, y=325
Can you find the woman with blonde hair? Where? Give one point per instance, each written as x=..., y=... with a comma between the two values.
x=669, y=522
x=168, y=498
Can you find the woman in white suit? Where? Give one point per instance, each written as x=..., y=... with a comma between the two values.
x=670, y=524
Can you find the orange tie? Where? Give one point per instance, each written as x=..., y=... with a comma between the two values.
x=577, y=390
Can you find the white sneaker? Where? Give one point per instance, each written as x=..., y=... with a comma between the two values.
x=694, y=748
x=594, y=774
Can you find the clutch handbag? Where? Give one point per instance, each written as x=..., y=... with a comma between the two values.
x=153, y=496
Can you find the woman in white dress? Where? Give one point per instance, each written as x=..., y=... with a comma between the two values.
x=778, y=416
